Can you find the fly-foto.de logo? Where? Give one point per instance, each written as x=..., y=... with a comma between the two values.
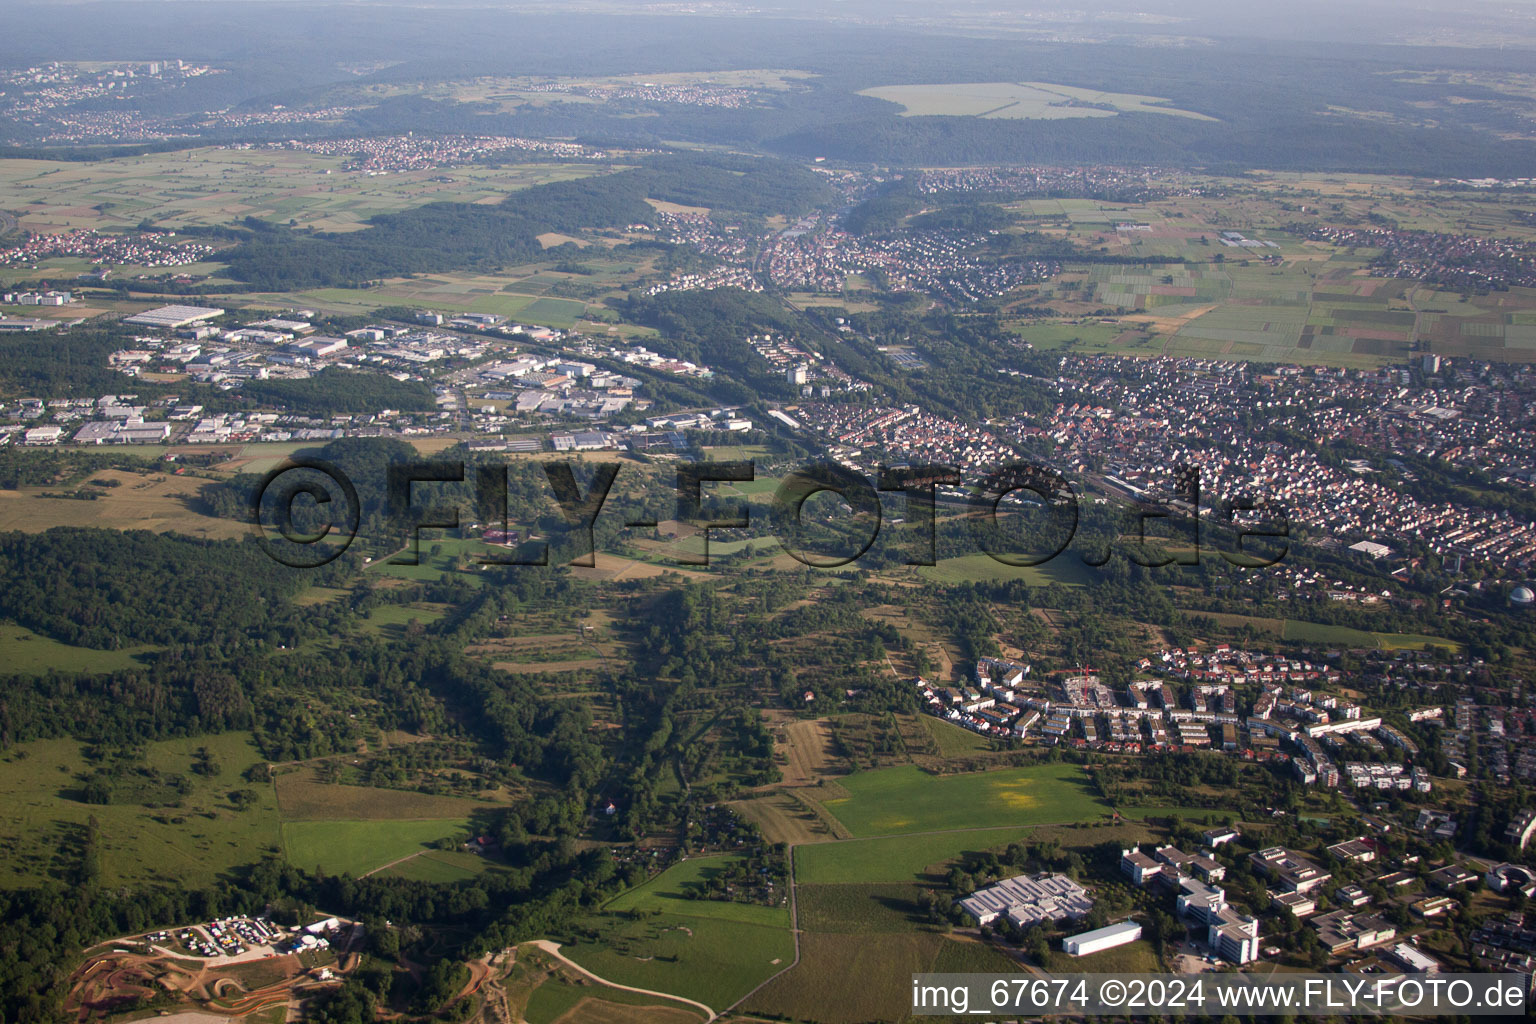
x=307, y=512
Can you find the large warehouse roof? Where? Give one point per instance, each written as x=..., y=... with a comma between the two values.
x=170, y=317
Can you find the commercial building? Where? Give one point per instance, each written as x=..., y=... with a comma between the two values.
x=1101, y=939
x=19, y=324
x=49, y=434
x=319, y=347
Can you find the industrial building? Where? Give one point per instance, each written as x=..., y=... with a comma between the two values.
x=319, y=347
x=19, y=324
x=168, y=318
x=1101, y=939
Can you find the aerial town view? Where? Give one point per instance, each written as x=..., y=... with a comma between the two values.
x=607, y=513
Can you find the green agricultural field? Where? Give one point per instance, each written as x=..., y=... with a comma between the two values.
x=856, y=909
x=23, y=652
x=669, y=892
x=1297, y=631
x=850, y=978
x=952, y=740
x=303, y=797
x=395, y=619
x=431, y=567
x=891, y=801
x=963, y=956
x=555, y=997
x=560, y=313
x=1415, y=642
x=1075, y=337
x=514, y=294
x=894, y=858
x=1025, y=100
x=320, y=595
x=712, y=960
x=357, y=847
x=438, y=867
x=1203, y=815
x=219, y=186
x=1134, y=958
x=43, y=820
x=1066, y=568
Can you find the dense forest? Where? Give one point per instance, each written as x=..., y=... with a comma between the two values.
x=334, y=390
x=107, y=589
x=451, y=236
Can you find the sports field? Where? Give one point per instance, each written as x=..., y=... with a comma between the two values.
x=892, y=801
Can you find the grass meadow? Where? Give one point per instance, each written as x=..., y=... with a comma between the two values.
x=219, y=186
x=891, y=859
x=713, y=960
x=557, y=999
x=23, y=652
x=891, y=801
x=357, y=847
x=43, y=820
x=850, y=978
x=1066, y=568
x=669, y=892
x=302, y=797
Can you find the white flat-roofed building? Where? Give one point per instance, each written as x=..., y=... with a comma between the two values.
x=1101, y=939
x=284, y=326
x=19, y=324
x=1412, y=960
x=1235, y=940
x=319, y=347
x=169, y=318
x=44, y=435
x=1029, y=899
